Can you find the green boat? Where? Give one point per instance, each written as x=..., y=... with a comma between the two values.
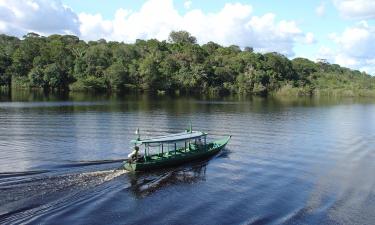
x=172, y=150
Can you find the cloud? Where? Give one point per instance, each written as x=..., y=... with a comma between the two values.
x=233, y=24
x=19, y=17
x=265, y=34
x=355, y=48
x=187, y=4
x=90, y=23
x=356, y=9
x=321, y=9
x=356, y=41
x=309, y=38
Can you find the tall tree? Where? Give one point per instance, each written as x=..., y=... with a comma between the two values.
x=182, y=37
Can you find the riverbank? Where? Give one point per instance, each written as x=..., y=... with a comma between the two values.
x=292, y=98
x=286, y=91
x=289, y=91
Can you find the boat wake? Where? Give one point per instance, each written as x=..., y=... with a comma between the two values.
x=88, y=163
x=20, y=174
x=21, y=199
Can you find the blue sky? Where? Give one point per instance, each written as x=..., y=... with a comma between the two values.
x=342, y=31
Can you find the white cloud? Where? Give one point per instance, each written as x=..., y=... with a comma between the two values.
x=233, y=24
x=187, y=4
x=265, y=34
x=355, y=48
x=309, y=38
x=357, y=41
x=356, y=9
x=19, y=17
x=325, y=53
x=321, y=9
x=346, y=60
x=90, y=23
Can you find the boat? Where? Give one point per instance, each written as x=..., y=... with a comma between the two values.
x=172, y=150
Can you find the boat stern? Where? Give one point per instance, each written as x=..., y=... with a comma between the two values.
x=129, y=166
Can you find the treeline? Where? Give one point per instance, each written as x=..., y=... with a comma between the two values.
x=64, y=62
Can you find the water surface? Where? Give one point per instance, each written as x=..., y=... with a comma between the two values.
x=290, y=161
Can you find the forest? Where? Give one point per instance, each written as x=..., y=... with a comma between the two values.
x=178, y=65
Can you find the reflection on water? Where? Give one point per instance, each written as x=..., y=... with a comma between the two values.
x=146, y=183
x=143, y=184
x=290, y=161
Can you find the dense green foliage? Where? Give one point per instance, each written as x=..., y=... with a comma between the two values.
x=180, y=65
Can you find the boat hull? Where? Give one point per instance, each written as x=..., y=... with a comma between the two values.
x=172, y=160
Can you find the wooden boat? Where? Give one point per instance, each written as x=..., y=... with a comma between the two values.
x=172, y=150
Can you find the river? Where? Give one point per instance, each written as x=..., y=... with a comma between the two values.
x=290, y=160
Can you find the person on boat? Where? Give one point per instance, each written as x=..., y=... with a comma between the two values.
x=134, y=155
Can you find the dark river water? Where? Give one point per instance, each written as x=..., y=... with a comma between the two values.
x=290, y=161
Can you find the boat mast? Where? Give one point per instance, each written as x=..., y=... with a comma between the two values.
x=145, y=149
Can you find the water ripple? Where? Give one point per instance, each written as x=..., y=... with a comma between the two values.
x=308, y=162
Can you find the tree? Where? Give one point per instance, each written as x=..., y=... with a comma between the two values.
x=194, y=79
x=117, y=75
x=36, y=77
x=149, y=70
x=248, y=49
x=235, y=48
x=181, y=37
x=8, y=44
x=280, y=66
x=253, y=81
x=24, y=56
x=62, y=61
x=5, y=62
x=97, y=58
x=304, y=67
x=54, y=77
x=210, y=47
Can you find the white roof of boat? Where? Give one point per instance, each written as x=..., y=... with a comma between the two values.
x=172, y=137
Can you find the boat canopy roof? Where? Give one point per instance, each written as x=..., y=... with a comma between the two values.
x=172, y=137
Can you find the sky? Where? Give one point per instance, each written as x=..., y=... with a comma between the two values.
x=340, y=31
